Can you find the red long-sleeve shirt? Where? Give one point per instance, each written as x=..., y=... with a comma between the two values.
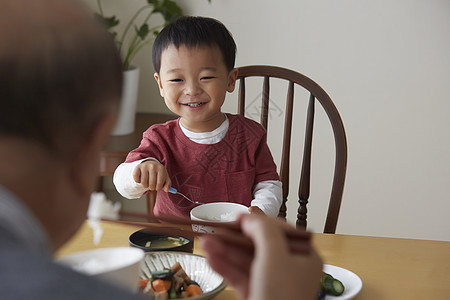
x=223, y=172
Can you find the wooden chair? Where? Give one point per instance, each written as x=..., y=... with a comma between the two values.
x=315, y=93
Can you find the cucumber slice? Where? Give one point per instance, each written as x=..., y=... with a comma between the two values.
x=327, y=284
x=338, y=287
x=325, y=276
x=332, y=286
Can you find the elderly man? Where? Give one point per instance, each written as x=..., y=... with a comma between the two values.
x=60, y=87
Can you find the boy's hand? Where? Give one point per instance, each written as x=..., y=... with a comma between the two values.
x=152, y=175
x=255, y=210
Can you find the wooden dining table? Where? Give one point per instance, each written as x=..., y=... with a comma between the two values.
x=390, y=268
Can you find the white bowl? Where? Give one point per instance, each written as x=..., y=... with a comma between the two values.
x=195, y=266
x=217, y=212
x=120, y=265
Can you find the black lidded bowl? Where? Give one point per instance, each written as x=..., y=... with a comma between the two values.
x=140, y=238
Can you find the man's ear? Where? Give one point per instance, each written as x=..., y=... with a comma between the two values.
x=158, y=80
x=86, y=162
x=232, y=80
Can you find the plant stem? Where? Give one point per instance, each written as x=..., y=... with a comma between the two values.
x=133, y=53
x=100, y=9
x=134, y=48
x=135, y=42
x=131, y=22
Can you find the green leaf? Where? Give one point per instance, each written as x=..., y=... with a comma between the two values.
x=168, y=9
x=109, y=22
x=143, y=31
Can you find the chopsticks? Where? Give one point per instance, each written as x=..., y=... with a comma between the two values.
x=229, y=233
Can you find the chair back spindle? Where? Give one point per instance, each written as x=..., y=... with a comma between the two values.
x=241, y=99
x=316, y=93
x=305, y=175
x=286, y=151
x=265, y=102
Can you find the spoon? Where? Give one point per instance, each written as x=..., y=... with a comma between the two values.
x=174, y=191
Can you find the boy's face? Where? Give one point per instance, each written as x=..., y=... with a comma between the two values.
x=193, y=83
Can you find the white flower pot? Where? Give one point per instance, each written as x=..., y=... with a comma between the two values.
x=127, y=112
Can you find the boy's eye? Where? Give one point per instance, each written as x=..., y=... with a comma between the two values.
x=207, y=77
x=176, y=80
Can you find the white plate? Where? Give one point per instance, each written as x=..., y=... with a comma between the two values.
x=352, y=283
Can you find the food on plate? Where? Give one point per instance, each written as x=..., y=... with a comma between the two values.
x=330, y=286
x=164, y=242
x=171, y=283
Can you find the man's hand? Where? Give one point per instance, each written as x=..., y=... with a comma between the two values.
x=272, y=271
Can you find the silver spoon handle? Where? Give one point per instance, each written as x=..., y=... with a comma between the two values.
x=174, y=191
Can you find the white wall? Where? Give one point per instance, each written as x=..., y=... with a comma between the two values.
x=386, y=65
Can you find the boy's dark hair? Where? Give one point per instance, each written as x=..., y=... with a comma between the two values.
x=60, y=73
x=192, y=32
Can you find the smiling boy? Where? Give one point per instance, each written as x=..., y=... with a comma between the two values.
x=205, y=154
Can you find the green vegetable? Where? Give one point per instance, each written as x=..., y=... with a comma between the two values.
x=172, y=293
x=331, y=285
x=163, y=274
x=338, y=287
x=174, y=240
x=326, y=277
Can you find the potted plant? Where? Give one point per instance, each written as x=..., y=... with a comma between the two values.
x=136, y=34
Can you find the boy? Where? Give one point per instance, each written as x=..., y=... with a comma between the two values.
x=207, y=155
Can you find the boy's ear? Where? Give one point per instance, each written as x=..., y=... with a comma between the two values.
x=232, y=80
x=158, y=80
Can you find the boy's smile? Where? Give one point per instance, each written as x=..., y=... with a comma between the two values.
x=193, y=83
